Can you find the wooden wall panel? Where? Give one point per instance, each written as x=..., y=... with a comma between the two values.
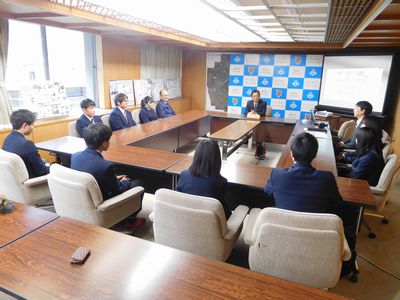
x=121, y=60
x=194, y=77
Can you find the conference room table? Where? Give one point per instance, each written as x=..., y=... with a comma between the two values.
x=37, y=266
x=22, y=220
x=143, y=146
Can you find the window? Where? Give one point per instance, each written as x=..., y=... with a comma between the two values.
x=46, y=69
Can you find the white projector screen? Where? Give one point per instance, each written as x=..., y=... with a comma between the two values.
x=349, y=79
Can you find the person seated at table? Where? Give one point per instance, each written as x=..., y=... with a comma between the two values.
x=97, y=139
x=203, y=177
x=367, y=163
x=302, y=187
x=120, y=116
x=88, y=118
x=147, y=112
x=360, y=111
x=163, y=109
x=375, y=124
x=257, y=107
x=22, y=122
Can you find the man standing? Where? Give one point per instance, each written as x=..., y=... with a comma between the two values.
x=163, y=109
x=22, y=121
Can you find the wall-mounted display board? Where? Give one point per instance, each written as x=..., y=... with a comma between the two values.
x=122, y=86
x=173, y=87
x=290, y=83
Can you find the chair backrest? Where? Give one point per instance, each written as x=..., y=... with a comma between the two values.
x=386, y=150
x=75, y=194
x=268, y=112
x=307, y=248
x=106, y=120
x=387, y=180
x=72, y=129
x=385, y=136
x=13, y=174
x=346, y=130
x=135, y=116
x=191, y=223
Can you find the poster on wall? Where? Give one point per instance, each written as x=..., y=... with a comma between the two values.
x=122, y=86
x=289, y=83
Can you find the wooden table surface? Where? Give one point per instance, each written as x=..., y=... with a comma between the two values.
x=63, y=145
x=22, y=220
x=235, y=131
x=125, y=267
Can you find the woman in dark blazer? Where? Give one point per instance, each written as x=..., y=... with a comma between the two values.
x=367, y=163
x=147, y=112
x=203, y=177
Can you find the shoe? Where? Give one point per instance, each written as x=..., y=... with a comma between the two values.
x=130, y=226
x=260, y=157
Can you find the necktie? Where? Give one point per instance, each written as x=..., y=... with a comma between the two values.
x=126, y=117
x=92, y=121
x=255, y=106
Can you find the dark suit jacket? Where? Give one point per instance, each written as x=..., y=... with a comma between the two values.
x=147, y=115
x=164, y=110
x=351, y=143
x=83, y=122
x=16, y=143
x=213, y=186
x=92, y=162
x=118, y=120
x=261, y=107
x=368, y=167
x=303, y=188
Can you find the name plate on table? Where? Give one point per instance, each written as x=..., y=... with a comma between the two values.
x=251, y=115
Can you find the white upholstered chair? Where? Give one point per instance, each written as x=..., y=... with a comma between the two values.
x=135, y=116
x=77, y=195
x=346, y=130
x=196, y=224
x=382, y=190
x=72, y=129
x=15, y=183
x=307, y=248
x=106, y=120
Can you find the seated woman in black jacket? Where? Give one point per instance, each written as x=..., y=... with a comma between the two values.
x=203, y=177
x=147, y=112
x=367, y=163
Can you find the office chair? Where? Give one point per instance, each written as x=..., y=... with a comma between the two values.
x=77, y=195
x=346, y=130
x=15, y=183
x=307, y=248
x=106, y=120
x=382, y=190
x=196, y=224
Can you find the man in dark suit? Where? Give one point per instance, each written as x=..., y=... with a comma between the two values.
x=256, y=105
x=302, y=187
x=163, y=109
x=22, y=121
x=120, y=117
x=88, y=118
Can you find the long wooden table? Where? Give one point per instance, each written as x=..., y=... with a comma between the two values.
x=234, y=135
x=124, y=267
x=22, y=220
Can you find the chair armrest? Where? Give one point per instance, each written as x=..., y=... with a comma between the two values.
x=151, y=216
x=376, y=190
x=349, y=150
x=343, y=166
x=251, y=220
x=346, y=250
x=121, y=198
x=235, y=221
x=36, y=181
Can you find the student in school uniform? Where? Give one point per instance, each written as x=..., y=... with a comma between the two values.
x=163, y=109
x=97, y=139
x=120, y=116
x=22, y=122
x=88, y=118
x=203, y=177
x=257, y=106
x=367, y=163
x=147, y=112
x=302, y=187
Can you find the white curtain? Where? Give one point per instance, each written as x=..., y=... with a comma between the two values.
x=5, y=106
x=160, y=62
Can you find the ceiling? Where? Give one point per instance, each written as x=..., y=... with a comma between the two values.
x=310, y=24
